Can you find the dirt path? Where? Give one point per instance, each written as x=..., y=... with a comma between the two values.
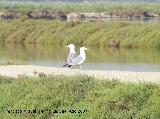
x=31, y=70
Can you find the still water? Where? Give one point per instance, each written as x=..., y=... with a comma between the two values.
x=97, y=58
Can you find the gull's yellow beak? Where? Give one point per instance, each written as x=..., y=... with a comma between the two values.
x=86, y=48
x=66, y=46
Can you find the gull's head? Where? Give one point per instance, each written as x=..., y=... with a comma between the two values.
x=71, y=46
x=83, y=48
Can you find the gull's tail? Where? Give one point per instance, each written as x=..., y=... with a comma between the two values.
x=66, y=65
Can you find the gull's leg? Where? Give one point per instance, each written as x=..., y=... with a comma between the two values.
x=77, y=66
x=80, y=67
x=72, y=67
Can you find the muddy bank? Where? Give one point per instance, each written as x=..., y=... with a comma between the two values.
x=45, y=14
x=40, y=71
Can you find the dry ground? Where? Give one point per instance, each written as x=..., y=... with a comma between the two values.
x=32, y=70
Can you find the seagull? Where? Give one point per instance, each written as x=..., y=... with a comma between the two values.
x=77, y=61
x=71, y=55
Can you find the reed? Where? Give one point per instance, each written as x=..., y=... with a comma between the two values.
x=113, y=34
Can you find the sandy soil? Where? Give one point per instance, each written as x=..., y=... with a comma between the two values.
x=31, y=70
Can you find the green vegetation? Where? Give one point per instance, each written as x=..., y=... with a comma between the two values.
x=79, y=7
x=103, y=99
x=114, y=34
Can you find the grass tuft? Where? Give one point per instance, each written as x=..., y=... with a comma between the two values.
x=98, y=98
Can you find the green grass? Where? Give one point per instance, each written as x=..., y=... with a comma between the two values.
x=79, y=7
x=103, y=99
x=120, y=33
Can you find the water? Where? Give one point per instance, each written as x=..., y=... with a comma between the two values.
x=97, y=58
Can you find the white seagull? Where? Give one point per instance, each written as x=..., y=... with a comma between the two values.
x=71, y=55
x=77, y=61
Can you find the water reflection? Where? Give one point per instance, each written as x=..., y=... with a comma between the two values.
x=97, y=58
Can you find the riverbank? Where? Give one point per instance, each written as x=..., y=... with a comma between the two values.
x=104, y=34
x=77, y=97
x=42, y=71
x=52, y=10
x=75, y=16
